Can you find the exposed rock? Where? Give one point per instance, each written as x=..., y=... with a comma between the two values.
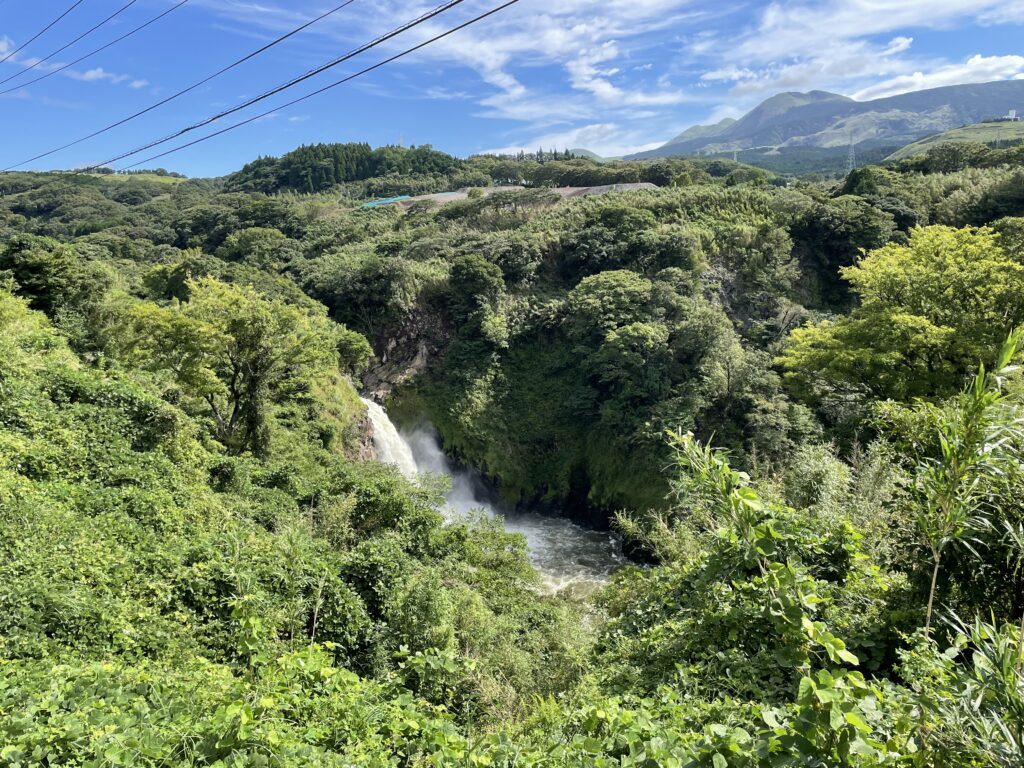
x=367, y=451
x=405, y=354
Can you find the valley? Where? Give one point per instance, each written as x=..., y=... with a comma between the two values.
x=538, y=461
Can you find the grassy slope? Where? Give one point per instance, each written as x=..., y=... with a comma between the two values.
x=982, y=133
x=143, y=177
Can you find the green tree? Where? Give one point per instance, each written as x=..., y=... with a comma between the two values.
x=262, y=247
x=1011, y=236
x=51, y=275
x=476, y=288
x=601, y=303
x=950, y=488
x=929, y=311
x=237, y=353
x=830, y=236
x=614, y=235
x=953, y=156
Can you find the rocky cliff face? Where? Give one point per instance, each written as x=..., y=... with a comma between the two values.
x=367, y=451
x=406, y=353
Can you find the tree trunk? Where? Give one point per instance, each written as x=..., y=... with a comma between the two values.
x=931, y=595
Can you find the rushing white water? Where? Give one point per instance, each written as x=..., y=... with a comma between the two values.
x=390, y=446
x=565, y=554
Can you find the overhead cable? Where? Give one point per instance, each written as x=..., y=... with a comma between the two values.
x=293, y=82
x=317, y=92
x=41, y=32
x=64, y=47
x=80, y=59
x=183, y=91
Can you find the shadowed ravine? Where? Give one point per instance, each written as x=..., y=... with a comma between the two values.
x=565, y=554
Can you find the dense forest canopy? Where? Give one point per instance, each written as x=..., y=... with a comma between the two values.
x=796, y=401
x=359, y=171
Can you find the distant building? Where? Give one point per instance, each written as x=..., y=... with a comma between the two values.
x=387, y=201
x=1009, y=117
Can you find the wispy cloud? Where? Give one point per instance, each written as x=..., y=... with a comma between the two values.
x=835, y=45
x=800, y=29
x=439, y=93
x=621, y=75
x=93, y=75
x=975, y=70
x=592, y=43
x=607, y=139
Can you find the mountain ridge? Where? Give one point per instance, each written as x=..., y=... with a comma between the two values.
x=824, y=119
x=700, y=131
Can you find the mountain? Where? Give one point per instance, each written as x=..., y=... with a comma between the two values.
x=994, y=134
x=702, y=131
x=591, y=155
x=829, y=120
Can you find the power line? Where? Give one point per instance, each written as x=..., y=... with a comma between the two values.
x=183, y=91
x=80, y=59
x=295, y=81
x=41, y=32
x=317, y=92
x=49, y=56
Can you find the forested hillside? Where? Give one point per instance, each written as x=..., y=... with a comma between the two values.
x=797, y=403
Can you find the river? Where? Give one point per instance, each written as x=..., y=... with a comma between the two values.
x=564, y=554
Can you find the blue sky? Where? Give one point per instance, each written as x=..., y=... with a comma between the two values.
x=610, y=75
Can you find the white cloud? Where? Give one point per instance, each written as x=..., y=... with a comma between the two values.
x=439, y=93
x=612, y=75
x=730, y=73
x=585, y=74
x=976, y=69
x=853, y=62
x=91, y=75
x=606, y=139
x=536, y=108
x=1008, y=13
x=591, y=42
x=898, y=45
x=94, y=75
x=833, y=45
x=798, y=30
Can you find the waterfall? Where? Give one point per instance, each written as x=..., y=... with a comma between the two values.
x=565, y=554
x=390, y=447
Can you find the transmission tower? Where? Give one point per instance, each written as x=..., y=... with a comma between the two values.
x=851, y=157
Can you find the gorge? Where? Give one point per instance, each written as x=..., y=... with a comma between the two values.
x=566, y=555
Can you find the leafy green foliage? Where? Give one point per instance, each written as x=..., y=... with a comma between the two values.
x=928, y=312
x=127, y=537
x=198, y=566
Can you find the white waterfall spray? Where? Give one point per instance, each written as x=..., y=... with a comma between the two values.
x=389, y=445
x=565, y=554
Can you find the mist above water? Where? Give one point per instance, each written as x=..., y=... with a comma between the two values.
x=565, y=554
